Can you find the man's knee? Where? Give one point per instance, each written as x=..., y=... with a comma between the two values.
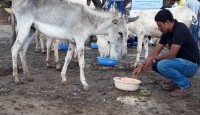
x=162, y=66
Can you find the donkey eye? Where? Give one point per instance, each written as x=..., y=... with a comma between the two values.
x=120, y=33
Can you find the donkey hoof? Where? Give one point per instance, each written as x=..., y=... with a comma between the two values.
x=16, y=81
x=43, y=51
x=48, y=65
x=36, y=50
x=64, y=82
x=86, y=87
x=59, y=68
x=19, y=83
x=30, y=79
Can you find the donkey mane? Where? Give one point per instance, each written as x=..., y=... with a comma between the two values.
x=103, y=14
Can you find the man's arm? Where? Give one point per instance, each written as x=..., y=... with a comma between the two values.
x=154, y=53
x=170, y=54
x=156, y=50
x=148, y=63
x=155, y=57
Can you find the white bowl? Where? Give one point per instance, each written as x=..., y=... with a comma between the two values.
x=126, y=84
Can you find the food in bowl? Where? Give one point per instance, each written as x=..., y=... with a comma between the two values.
x=127, y=84
x=107, y=61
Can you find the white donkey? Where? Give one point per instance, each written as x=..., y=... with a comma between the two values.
x=40, y=39
x=64, y=20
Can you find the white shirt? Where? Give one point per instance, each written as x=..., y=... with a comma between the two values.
x=193, y=5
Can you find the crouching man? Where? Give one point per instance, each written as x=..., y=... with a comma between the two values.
x=178, y=64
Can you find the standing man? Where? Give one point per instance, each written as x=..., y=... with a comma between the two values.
x=97, y=3
x=178, y=64
x=179, y=3
x=194, y=6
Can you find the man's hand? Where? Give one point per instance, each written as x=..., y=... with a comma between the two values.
x=148, y=64
x=137, y=71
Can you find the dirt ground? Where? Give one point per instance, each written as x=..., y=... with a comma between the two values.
x=46, y=96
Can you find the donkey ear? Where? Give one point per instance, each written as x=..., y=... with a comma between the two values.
x=132, y=19
x=115, y=21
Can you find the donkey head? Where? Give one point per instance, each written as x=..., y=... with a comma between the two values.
x=118, y=39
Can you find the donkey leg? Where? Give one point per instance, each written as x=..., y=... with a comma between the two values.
x=42, y=44
x=15, y=48
x=80, y=50
x=139, y=49
x=146, y=47
x=21, y=39
x=22, y=55
x=66, y=63
x=37, y=41
x=75, y=53
x=56, y=55
x=48, y=44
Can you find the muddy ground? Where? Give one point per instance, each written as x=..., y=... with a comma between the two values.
x=46, y=95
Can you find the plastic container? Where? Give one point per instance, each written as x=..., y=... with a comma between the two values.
x=107, y=61
x=126, y=84
x=63, y=47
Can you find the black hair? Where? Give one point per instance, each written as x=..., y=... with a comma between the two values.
x=164, y=15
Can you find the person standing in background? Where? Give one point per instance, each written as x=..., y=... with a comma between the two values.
x=179, y=3
x=97, y=3
x=198, y=26
x=194, y=6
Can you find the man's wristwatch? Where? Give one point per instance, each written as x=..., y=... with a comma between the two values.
x=154, y=60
